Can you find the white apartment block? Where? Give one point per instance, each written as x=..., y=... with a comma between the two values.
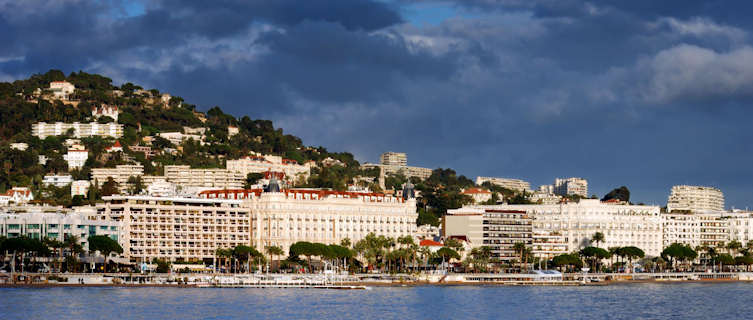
x=184, y=176
x=76, y=158
x=62, y=89
x=577, y=222
x=176, y=228
x=695, y=199
x=571, y=186
x=177, y=138
x=20, y=146
x=284, y=218
x=394, y=159
x=544, y=198
x=269, y=163
x=44, y=130
x=39, y=224
x=498, y=229
x=512, y=184
x=119, y=174
x=57, y=180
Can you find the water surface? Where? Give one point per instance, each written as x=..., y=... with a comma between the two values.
x=628, y=301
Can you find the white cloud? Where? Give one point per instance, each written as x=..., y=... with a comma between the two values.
x=701, y=28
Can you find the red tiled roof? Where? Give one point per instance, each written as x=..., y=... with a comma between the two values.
x=476, y=191
x=429, y=243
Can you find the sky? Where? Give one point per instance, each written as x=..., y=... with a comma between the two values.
x=646, y=94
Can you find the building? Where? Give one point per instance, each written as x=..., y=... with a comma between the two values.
x=147, y=151
x=105, y=111
x=478, y=195
x=16, y=195
x=43, y=130
x=76, y=158
x=19, y=146
x=498, y=229
x=571, y=186
x=269, y=163
x=394, y=159
x=80, y=187
x=177, y=138
x=62, y=90
x=512, y=184
x=58, y=225
x=622, y=225
x=695, y=199
x=116, y=147
x=544, y=198
x=184, y=176
x=231, y=131
x=119, y=174
x=42, y=159
x=176, y=228
x=57, y=180
x=161, y=188
x=283, y=217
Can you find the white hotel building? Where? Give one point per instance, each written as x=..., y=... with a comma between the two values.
x=283, y=218
x=269, y=163
x=695, y=198
x=512, y=184
x=577, y=222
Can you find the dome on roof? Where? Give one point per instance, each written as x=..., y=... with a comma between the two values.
x=273, y=186
x=408, y=191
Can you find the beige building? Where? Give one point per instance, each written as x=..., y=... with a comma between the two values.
x=61, y=89
x=286, y=217
x=119, y=174
x=512, y=184
x=571, y=186
x=184, y=176
x=43, y=130
x=269, y=163
x=695, y=199
x=478, y=195
x=174, y=228
x=498, y=229
x=394, y=159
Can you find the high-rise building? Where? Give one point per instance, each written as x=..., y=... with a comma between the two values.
x=498, y=229
x=512, y=184
x=43, y=130
x=695, y=199
x=394, y=159
x=571, y=186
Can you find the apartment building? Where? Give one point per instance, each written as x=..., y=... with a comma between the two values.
x=119, y=174
x=283, y=217
x=79, y=130
x=207, y=178
x=176, y=228
x=498, y=229
x=76, y=158
x=80, y=187
x=61, y=89
x=695, y=199
x=571, y=186
x=512, y=184
x=269, y=163
x=394, y=159
x=57, y=180
x=478, y=195
x=38, y=223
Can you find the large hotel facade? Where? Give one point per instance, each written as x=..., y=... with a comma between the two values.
x=191, y=229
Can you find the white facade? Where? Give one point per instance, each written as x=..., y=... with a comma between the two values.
x=283, y=218
x=394, y=159
x=16, y=195
x=177, y=138
x=57, y=180
x=175, y=228
x=80, y=187
x=269, y=163
x=19, y=146
x=106, y=111
x=695, y=198
x=61, y=89
x=512, y=184
x=119, y=174
x=571, y=186
x=622, y=225
x=478, y=195
x=44, y=130
x=76, y=158
x=184, y=176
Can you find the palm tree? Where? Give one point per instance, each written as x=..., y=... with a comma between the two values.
x=71, y=242
x=57, y=246
x=273, y=252
x=597, y=238
x=734, y=247
x=520, y=248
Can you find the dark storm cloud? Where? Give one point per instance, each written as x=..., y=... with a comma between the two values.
x=642, y=93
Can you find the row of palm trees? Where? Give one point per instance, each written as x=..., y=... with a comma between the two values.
x=64, y=254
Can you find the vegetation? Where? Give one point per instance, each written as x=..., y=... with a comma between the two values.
x=622, y=194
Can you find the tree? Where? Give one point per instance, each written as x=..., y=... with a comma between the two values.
x=595, y=254
x=136, y=184
x=252, y=179
x=110, y=187
x=104, y=245
x=273, y=252
x=520, y=249
x=622, y=194
x=597, y=238
x=679, y=252
x=567, y=260
x=447, y=254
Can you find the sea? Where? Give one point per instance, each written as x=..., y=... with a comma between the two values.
x=621, y=301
